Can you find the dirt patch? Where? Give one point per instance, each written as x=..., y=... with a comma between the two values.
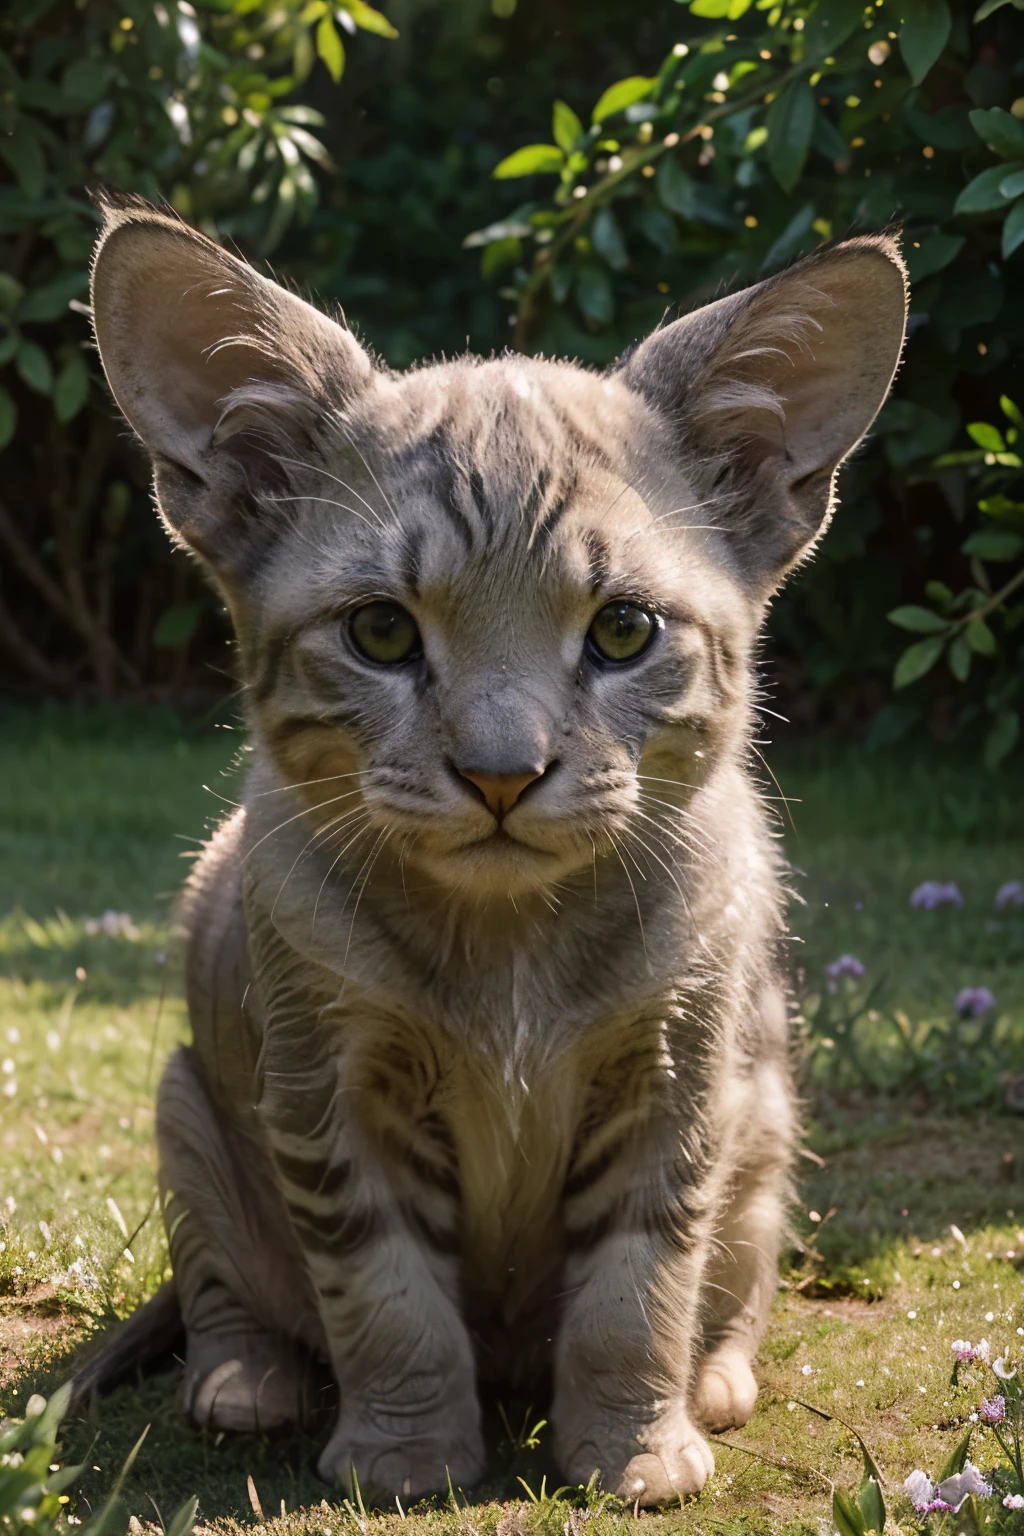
x=35, y=1330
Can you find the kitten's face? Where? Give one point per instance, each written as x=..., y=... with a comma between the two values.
x=494, y=616
x=517, y=647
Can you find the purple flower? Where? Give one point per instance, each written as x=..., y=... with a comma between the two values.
x=846, y=965
x=972, y=1002
x=1011, y=894
x=993, y=1409
x=936, y=893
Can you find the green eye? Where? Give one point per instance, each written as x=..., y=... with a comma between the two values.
x=622, y=630
x=385, y=633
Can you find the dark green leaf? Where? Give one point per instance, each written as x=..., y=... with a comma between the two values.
x=24, y=154
x=784, y=247
x=1013, y=229
x=607, y=240
x=658, y=228
x=891, y=724
x=1012, y=185
x=829, y=24
x=674, y=186
x=847, y=1517
x=284, y=212
x=872, y=1505
x=594, y=294
x=566, y=127
x=71, y=389
x=790, y=123
x=10, y=292
x=86, y=80
x=932, y=254
x=828, y=141
x=51, y=301
x=1000, y=130
x=958, y=658
x=919, y=621
x=330, y=49
x=1002, y=738
x=176, y=625
x=957, y=1458
x=8, y=419
x=923, y=35
x=531, y=160
x=917, y=660
x=985, y=193
x=980, y=638
x=34, y=367
x=993, y=544
x=622, y=95
x=498, y=255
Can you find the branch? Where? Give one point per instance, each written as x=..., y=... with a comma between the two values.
x=29, y=658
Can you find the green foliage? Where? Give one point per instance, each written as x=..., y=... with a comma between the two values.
x=767, y=129
x=984, y=618
x=188, y=105
x=32, y=1484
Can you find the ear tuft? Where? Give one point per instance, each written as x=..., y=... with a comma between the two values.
x=768, y=390
x=223, y=374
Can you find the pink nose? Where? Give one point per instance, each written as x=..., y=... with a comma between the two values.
x=501, y=790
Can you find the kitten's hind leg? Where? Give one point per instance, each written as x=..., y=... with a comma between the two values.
x=250, y=1318
x=742, y=1273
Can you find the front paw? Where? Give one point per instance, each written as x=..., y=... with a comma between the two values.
x=726, y=1390
x=408, y=1454
x=656, y=1463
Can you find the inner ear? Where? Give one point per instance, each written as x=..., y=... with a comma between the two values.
x=768, y=390
x=225, y=376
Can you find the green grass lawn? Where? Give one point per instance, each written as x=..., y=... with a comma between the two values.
x=100, y=811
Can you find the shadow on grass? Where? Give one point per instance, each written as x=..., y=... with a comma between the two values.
x=908, y=1199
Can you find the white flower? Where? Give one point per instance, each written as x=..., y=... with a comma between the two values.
x=920, y=1490
x=950, y=1493
x=1014, y=1501
x=1002, y=1368
x=954, y=1490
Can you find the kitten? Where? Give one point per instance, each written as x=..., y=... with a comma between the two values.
x=490, y=1075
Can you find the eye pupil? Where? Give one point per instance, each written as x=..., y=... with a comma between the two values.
x=385, y=633
x=622, y=630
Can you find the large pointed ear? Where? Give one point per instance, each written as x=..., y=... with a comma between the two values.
x=226, y=377
x=768, y=390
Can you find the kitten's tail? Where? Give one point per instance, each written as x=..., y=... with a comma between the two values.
x=147, y=1341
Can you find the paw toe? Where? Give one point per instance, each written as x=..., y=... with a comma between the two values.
x=652, y=1479
x=726, y=1392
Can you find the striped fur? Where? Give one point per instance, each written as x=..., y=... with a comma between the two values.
x=465, y=1107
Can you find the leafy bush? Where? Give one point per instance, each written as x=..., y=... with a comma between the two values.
x=733, y=136
x=171, y=102
x=771, y=128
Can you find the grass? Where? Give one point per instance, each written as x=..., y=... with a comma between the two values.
x=97, y=812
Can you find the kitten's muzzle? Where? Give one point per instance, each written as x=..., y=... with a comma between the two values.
x=501, y=791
